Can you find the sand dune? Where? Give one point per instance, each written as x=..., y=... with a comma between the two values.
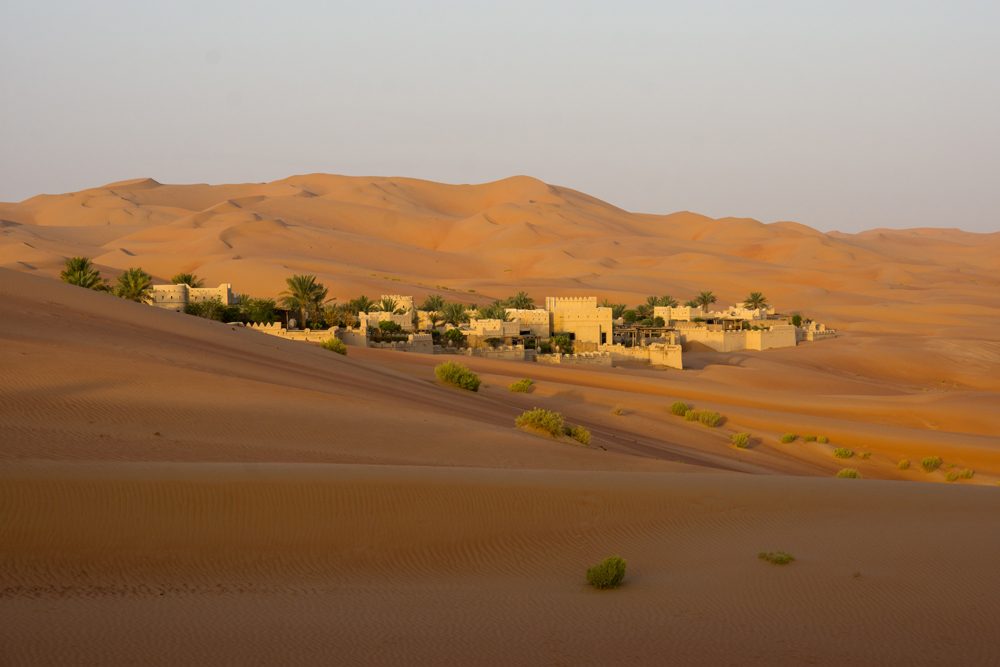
x=179, y=491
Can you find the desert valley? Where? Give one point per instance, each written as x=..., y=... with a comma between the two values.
x=180, y=490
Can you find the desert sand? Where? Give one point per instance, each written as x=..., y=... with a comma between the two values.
x=180, y=491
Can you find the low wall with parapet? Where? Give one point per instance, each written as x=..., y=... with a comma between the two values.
x=422, y=343
x=584, y=358
x=305, y=335
x=657, y=354
x=779, y=335
x=502, y=353
x=813, y=336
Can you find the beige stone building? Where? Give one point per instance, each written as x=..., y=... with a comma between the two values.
x=176, y=297
x=581, y=317
x=532, y=322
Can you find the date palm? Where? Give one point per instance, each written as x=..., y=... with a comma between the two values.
x=188, y=279
x=705, y=299
x=755, y=301
x=304, y=294
x=135, y=285
x=389, y=305
x=433, y=302
x=361, y=305
x=454, y=314
x=80, y=271
x=616, y=308
x=668, y=301
x=521, y=301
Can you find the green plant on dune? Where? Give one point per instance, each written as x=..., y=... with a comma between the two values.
x=540, y=419
x=578, y=433
x=80, y=271
x=843, y=453
x=904, y=464
x=609, y=573
x=334, y=345
x=740, y=440
x=457, y=375
x=848, y=473
x=776, y=557
x=930, y=463
x=679, y=408
x=789, y=437
x=522, y=386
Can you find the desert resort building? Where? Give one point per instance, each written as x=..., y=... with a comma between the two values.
x=176, y=297
x=594, y=335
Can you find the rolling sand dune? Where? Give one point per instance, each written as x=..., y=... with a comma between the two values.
x=179, y=491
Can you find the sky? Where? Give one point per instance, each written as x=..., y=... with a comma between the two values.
x=840, y=114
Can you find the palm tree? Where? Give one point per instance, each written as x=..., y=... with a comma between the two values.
x=389, y=305
x=616, y=308
x=135, y=285
x=521, y=301
x=495, y=311
x=454, y=313
x=361, y=305
x=304, y=294
x=691, y=303
x=704, y=299
x=80, y=271
x=188, y=279
x=755, y=301
x=652, y=302
x=643, y=311
x=432, y=303
x=668, y=301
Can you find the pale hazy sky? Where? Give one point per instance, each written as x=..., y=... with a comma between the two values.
x=840, y=114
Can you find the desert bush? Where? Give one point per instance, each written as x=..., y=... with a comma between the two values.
x=609, y=573
x=822, y=439
x=539, y=419
x=904, y=464
x=691, y=415
x=776, y=557
x=618, y=410
x=789, y=437
x=563, y=342
x=866, y=455
x=930, y=463
x=334, y=345
x=709, y=418
x=740, y=440
x=578, y=433
x=848, y=473
x=810, y=438
x=388, y=326
x=523, y=386
x=454, y=337
x=955, y=475
x=458, y=375
x=843, y=453
x=679, y=408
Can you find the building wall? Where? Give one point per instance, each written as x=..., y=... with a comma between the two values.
x=580, y=316
x=175, y=297
x=669, y=355
x=371, y=320
x=536, y=321
x=677, y=314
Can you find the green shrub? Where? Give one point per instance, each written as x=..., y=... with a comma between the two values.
x=539, y=419
x=679, y=408
x=954, y=475
x=334, y=345
x=454, y=337
x=709, y=418
x=691, y=415
x=523, y=386
x=904, y=464
x=740, y=440
x=563, y=342
x=456, y=374
x=809, y=438
x=789, y=437
x=930, y=463
x=822, y=439
x=578, y=433
x=843, y=453
x=849, y=473
x=609, y=573
x=776, y=557
x=389, y=326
